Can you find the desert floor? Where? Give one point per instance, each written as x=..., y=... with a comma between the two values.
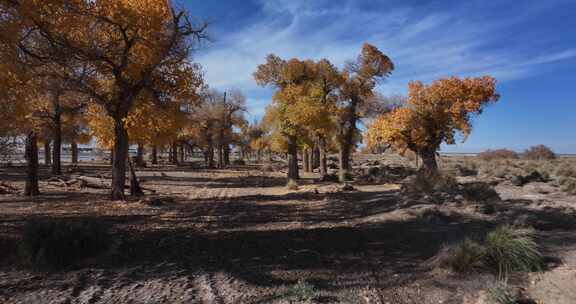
x=241, y=236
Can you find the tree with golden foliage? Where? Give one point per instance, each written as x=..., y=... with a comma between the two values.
x=17, y=93
x=132, y=47
x=435, y=114
x=293, y=80
x=360, y=79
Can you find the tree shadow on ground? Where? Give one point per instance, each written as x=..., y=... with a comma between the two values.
x=260, y=239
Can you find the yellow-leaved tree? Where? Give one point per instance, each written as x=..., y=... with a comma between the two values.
x=360, y=79
x=434, y=114
x=131, y=47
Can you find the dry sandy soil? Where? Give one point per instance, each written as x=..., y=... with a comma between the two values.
x=239, y=236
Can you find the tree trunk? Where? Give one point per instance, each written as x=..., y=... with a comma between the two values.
x=348, y=129
x=57, y=148
x=315, y=157
x=182, y=154
x=310, y=160
x=140, y=156
x=220, y=152
x=112, y=157
x=135, y=189
x=345, y=152
x=293, y=159
x=323, y=168
x=154, y=155
x=47, y=153
x=31, y=155
x=344, y=159
x=121, y=145
x=74, y=148
x=174, y=154
x=227, y=155
x=270, y=158
x=429, y=164
x=306, y=160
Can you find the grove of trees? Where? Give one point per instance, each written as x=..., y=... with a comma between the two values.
x=121, y=73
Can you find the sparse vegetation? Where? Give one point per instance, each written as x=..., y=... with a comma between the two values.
x=568, y=185
x=539, y=152
x=510, y=249
x=500, y=293
x=333, y=186
x=467, y=256
x=505, y=250
x=479, y=193
x=302, y=292
x=490, y=155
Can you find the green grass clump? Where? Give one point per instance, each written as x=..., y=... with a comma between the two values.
x=501, y=294
x=505, y=250
x=302, y=292
x=510, y=249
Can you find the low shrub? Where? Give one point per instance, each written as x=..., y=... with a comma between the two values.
x=505, y=250
x=539, y=152
x=500, y=169
x=510, y=249
x=568, y=185
x=467, y=256
x=466, y=170
x=490, y=155
x=55, y=244
x=423, y=184
x=479, y=192
x=565, y=170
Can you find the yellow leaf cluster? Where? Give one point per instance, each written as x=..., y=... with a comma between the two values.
x=435, y=114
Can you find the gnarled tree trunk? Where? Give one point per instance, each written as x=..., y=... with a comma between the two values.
x=429, y=165
x=57, y=148
x=140, y=156
x=306, y=160
x=315, y=157
x=47, y=153
x=182, y=153
x=227, y=155
x=135, y=189
x=348, y=129
x=323, y=168
x=154, y=155
x=293, y=158
x=121, y=145
x=310, y=159
x=174, y=154
x=220, y=152
x=74, y=148
x=31, y=155
x=344, y=163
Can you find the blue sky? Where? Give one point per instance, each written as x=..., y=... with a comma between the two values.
x=528, y=45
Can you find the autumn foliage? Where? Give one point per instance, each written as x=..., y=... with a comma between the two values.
x=131, y=80
x=435, y=114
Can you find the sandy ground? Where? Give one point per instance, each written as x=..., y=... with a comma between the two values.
x=239, y=236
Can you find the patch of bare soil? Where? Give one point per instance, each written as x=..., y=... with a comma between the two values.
x=240, y=236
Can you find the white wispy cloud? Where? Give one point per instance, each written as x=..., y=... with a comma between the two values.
x=423, y=45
